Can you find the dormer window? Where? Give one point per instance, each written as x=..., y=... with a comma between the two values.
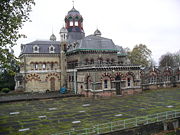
x=51, y=49
x=35, y=49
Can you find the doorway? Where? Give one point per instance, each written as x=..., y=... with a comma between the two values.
x=118, y=85
x=88, y=83
x=52, y=84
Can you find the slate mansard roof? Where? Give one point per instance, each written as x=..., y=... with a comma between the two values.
x=43, y=46
x=90, y=42
x=93, y=42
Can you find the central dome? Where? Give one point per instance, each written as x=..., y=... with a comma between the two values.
x=73, y=11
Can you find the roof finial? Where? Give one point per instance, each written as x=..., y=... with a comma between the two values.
x=52, y=30
x=73, y=3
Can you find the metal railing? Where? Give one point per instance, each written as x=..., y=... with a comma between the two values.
x=124, y=124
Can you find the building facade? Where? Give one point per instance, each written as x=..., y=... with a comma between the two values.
x=92, y=65
x=160, y=77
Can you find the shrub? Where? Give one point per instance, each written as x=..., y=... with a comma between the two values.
x=5, y=90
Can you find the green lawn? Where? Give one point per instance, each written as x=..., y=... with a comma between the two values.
x=56, y=115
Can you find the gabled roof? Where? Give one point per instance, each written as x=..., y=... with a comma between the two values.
x=43, y=46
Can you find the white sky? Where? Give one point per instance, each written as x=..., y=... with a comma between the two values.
x=155, y=23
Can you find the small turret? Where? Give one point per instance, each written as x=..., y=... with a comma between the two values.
x=97, y=33
x=63, y=34
x=53, y=37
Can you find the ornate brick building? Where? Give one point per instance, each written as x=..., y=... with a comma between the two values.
x=160, y=77
x=92, y=65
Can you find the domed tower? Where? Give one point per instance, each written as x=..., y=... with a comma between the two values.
x=74, y=25
x=53, y=37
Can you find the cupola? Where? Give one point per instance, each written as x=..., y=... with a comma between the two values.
x=97, y=33
x=63, y=34
x=53, y=37
x=74, y=21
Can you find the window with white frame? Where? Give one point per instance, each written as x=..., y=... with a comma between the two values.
x=44, y=66
x=35, y=49
x=153, y=79
x=51, y=49
x=36, y=66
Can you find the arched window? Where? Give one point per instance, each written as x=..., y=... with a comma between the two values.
x=92, y=61
x=44, y=66
x=36, y=66
x=100, y=61
x=86, y=61
x=105, y=84
x=71, y=23
x=112, y=61
x=108, y=61
x=35, y=49
x=129, y=82
x=167, y=78
x=153, y=79
x=51, y=49
x=52, y=66
x=76, y=23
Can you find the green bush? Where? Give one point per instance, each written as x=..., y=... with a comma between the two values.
x=5, y=90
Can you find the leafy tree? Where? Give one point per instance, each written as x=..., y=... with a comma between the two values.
x=13, y=14
x=176, y=57
x=166, y=60
x=7, y=72
x=170, y=59
x=140, y=55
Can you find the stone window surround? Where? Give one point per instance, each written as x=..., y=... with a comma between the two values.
x=106, y=83
x=51, y=49
x=44, y=65
x=35, y=49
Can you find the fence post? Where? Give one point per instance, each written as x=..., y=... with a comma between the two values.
x=124, y=123
x=136, y=122
x=166, y=115
x=157, y=117
x=175, y=113
x=111, y=126
x=86, y=132
x=97, y=129
x=147, y=119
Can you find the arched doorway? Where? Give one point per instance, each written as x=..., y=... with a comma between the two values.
x=118, y=85
x=52, y=84
x=89, y=86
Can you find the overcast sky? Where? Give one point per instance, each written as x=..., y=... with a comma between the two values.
x=155, y=23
